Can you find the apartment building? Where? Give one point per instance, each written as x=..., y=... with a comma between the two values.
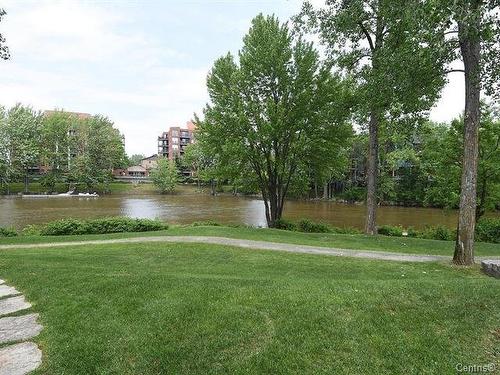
x=173, y=142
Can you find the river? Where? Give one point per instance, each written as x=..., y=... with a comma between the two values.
x=190, y=206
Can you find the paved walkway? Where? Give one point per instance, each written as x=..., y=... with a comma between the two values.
x=252, y=244
x=20, y=356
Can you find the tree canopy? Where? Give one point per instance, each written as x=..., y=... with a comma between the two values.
x=273, y=111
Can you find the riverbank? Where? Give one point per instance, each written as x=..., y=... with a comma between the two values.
x=327, y=240
x=198, y=308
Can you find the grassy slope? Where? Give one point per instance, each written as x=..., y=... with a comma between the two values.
x=379, y=243
x=201, y=309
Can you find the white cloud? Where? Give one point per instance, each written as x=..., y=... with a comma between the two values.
x=86, y=57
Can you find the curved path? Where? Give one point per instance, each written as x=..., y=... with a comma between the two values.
x=19, y=357
x=251, y=244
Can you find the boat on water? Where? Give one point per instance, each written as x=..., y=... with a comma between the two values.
x=71, y=194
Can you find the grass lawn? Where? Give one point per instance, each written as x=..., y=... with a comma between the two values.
x=361, y=242
x=156, y=308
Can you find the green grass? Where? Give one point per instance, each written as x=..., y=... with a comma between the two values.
x=361, y=242
x=155, y=308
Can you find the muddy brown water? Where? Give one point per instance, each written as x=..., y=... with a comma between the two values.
x=190, y=206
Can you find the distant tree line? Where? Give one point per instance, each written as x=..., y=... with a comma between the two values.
x=58, y=147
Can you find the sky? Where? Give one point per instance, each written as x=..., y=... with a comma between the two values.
x=143, y=63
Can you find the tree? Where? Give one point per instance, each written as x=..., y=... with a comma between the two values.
x=165, y=176
x=271, y=111
x=98, y=148
x=4, y=50
x=372, y=41
x=472, y=31
x=21, y=143
x=135, y=159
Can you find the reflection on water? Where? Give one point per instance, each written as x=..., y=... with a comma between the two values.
x=191, y=206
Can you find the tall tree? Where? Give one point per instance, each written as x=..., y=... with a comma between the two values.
x=4, y=50
x=21, y=138
x=472, y=30
x=272, y=110
x=99, y=147
x=372, y=41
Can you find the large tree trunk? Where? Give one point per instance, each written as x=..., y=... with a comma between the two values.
x=325, y=191
x=471, y=53
x=371, y=176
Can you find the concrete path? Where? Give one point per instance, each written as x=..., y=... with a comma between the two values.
x=250, y=244
x=17, y=358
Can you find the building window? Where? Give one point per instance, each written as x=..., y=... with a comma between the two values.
x=175, y=147
x=175, y=140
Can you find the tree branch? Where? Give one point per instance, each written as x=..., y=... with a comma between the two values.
x=367, y=35
x=454, y=71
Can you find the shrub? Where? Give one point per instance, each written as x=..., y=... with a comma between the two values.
x=31, y=230
x=308, y=226
x=390, y=230
x=7, y=232
x=206, y=223
x=285, y=225
x=439, y=232
x=412, y=232
x=101, y=226
x=488, y=230
x=62, y=227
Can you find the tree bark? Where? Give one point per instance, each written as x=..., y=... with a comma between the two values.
x=470, y=48
x=371, y=175
x=325, y=191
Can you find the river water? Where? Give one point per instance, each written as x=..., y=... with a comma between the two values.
x=190, y=206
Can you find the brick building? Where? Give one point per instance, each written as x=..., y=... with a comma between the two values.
x=172, y=142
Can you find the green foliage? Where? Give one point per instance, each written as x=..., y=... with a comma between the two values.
x=390, y=230
x=19, y=143
x=4, y=50
x=308, y=226
x=438, y=232
x=354, y=194
x=7, y=232
x=285, y=225
x=165, y=176
x=32, y=230
x=488, y=230
x=101, y=226
x=135, y=159
x=274, y=113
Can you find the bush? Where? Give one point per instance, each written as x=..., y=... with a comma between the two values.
x=308, y=226
x=207, y=223
x=31, y=230
x=285, y=225
x=7, y=232
x=439, y=232
x=390, y=230
x=412, y=232
x=101, y=226
x=488, y=230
